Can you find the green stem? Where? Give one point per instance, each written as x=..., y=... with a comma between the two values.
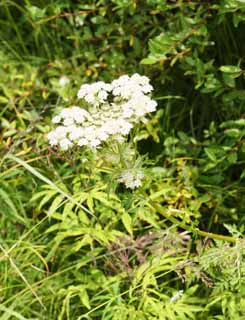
x=18, y=34
x=120, y=151
x=182, y=225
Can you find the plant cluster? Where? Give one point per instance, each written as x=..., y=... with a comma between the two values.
x=132, y=207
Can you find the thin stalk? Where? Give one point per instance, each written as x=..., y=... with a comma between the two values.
x=18, y=34
x=122, y=158
x=182, y=225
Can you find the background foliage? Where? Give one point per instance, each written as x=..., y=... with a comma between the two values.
x=73, y=244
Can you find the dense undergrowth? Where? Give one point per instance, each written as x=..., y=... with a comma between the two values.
x=76, y=244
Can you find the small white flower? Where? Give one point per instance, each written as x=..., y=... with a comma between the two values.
x=140, y=79
x=177, y=296
x=79, y=21
x=102, y=135
x=60, y=132
x=151, y=106
x=127, y=111
x=147, y=88
x=75, y=133
x=124, y=127
x=68, y=121
x=63, y=81
x=83, y=91
x=94, y=143
x=52, y=138
x=102, y=95
x=90, y=98
x=56, y=119
x=82, y=142
x=79, y=114
x=131, y=178
x=65, y=144
x=65, y=113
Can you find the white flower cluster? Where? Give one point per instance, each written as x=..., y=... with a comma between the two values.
x=63, y=81
x=112, y=111
x=95, y=93
x=177, y=296
x=131, y=178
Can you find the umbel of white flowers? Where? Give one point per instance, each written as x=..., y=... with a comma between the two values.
x=131, y=178
x=112, y=110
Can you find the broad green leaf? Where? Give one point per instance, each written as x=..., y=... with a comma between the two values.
x=211, y=154
x=3, y=99
x=230, y=69
x=85, y=298
x=149, y=60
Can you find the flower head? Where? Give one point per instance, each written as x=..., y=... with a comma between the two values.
x=63, y=81
x=113, y=109
x=131, y=178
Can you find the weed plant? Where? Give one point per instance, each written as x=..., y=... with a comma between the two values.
x=75, y=243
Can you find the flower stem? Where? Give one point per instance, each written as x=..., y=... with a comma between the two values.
x=182, y=225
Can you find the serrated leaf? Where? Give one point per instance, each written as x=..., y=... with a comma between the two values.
x=149, y=217
x=83, y=217
x=55, y=205
x=127, y=222
x=48, y=196
x=90, y=203
x=85, y=299
x=86, y=240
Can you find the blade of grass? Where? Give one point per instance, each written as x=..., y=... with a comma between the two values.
x=5, y=198
x=8, y=312
x=21, y=276
x=49, y=182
